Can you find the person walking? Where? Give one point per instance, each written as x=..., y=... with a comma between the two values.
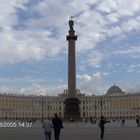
x=123, y=122
x=47, y=126
x=91, y=120
x=138, y=121
x=57, y=126
x=102, y=126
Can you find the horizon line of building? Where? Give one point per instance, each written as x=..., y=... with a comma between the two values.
x=114, y=104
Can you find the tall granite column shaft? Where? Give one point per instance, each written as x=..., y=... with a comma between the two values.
x=71, y=38
x=72, y=110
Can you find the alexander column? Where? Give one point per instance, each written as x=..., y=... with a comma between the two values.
x=72, y=110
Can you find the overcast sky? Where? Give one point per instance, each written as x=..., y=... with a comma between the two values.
x=33, y=46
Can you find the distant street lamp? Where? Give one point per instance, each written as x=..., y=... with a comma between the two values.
x=110, y=108
x=48, y=107
x=101, y=104
x=42, y=108
x=95, y=108
x=33, y=115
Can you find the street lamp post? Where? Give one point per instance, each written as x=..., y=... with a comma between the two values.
x=42, y=108
x=110, y=108
x=95, y=109
x=33, y=114
x=48, y=110
x=101, y=103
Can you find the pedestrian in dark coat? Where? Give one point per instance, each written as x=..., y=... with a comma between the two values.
x=123, y=122
x=102, y=126
x=138, y=121
x=57, y=126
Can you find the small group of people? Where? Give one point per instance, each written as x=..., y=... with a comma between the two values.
x=103, y=121
x=90, y=119
x=56, y=124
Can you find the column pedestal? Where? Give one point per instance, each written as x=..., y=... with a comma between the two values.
x=72, y=110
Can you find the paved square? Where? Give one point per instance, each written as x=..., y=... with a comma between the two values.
x=72, y=132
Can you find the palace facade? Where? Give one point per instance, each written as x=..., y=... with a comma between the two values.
x=114, y=104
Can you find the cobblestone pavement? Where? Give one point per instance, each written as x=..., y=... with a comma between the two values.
x=114, y=124
x=71, y=133
x=111, y=124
